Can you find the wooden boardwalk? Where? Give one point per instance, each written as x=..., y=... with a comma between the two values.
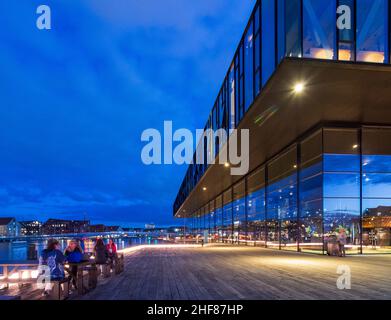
x=221, y=272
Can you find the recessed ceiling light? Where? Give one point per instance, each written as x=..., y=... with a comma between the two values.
x=299, y=88
x=204, y=188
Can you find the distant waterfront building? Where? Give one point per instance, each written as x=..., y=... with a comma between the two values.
x=150, y=226
x=97, y=228
x=9, y=227
x=30, y=228
x=315, y=98
x=114, y=229
x=58, y=226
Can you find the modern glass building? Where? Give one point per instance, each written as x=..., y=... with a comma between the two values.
x=311, y=80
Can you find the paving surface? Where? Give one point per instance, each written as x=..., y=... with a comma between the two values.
x=222, y=272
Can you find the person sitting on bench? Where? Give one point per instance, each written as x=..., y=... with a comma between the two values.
x=101, y=253
x=74, y=254
x=53, y=258
x=112, y=251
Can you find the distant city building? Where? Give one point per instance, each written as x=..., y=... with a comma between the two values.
x=97, y=228
x=150, y=226
x=57, y=226
x=114, y=229
x=30, y=228
x=9, y=227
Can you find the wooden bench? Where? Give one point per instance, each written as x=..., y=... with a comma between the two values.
x=60, y=289
x=104, y=269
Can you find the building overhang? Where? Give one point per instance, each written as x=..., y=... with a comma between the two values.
x=335, y=92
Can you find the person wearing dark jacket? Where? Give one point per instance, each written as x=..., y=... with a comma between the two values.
x=53, y=258
x=73, y=254
x=100, y=251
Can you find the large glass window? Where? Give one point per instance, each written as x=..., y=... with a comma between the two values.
x=376, y=181
x=282, y=201
x=256, y=207
x=311, y=194
x=232, y=93
x=257, y=50
x=268, y=39
x=281, y=52
x=346, y=30
x=249, y=66
x=239, y=213
x=293, y=28
x=319, y=29
x=212, y=222
x=227, y=216
x=342, y=188
x=219, y=218
x=372, y=31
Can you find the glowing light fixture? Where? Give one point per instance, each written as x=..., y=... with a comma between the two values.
x=227, y=165
x=204, y=188
x=299, y=88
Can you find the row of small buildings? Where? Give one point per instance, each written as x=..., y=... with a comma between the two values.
x=10, y=227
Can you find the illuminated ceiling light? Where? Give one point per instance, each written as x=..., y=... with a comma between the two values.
x=299, y=88
x=204, y=188
x=355, y=146
x=227, y=165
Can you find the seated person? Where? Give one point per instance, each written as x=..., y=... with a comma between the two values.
x=53, y=258
x=73, y=254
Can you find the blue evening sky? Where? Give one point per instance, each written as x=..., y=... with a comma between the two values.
x=74, y=101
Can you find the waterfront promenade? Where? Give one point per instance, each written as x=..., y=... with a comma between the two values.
x=223, y=272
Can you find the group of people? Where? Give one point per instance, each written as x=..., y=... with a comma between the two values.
x=55, y=259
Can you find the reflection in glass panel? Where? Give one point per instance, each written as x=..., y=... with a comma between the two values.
x=378, y=163
x=249, y=65
x=342, y=218
x=268, y=39
x=311, y=234
x=376, y=185
x=280, y=30
x=232, y=96
x=346, y=46
x=227, y=223
x=289, y=235
x=256, y=217
x=219, y=224
x=239, y=220
x=342, y=185
x=273, y=233
x=319, y=29
x=372, y=26
x=377, y=225
x=282, y=199
x=293, y=28
x=341, y=163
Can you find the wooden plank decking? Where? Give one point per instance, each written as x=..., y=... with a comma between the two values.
x=242, y=273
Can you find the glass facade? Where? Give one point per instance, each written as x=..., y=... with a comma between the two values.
x=293, y=28
x=333, y=182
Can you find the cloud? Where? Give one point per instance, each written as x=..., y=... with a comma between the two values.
x=75, y=100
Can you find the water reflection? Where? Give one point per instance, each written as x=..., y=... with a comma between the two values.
x=17, y=251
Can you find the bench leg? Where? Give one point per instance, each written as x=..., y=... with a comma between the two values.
x=66, y=290
x=55, y=293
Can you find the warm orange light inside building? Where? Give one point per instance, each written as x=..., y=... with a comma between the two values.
x=345, y=55
x=370, y=56
x=326, y=54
